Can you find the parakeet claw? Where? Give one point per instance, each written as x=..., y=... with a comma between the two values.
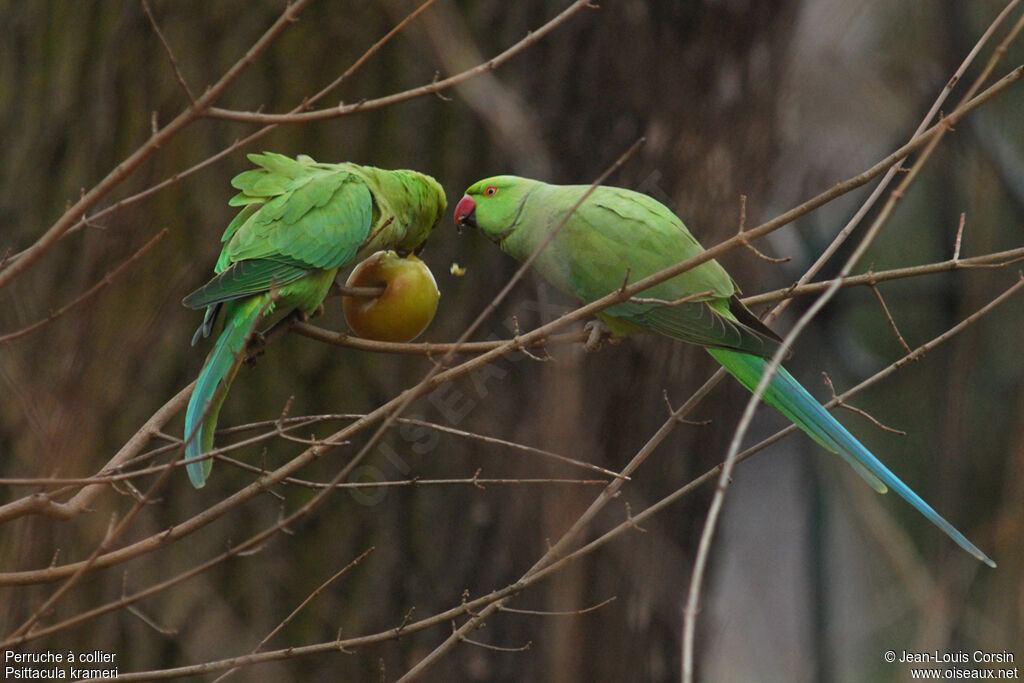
x=303, y=317
x=254, y=348
x=599, y=334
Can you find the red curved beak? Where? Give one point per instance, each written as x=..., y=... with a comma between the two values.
x=465, y=212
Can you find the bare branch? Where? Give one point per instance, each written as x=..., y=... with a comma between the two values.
x=436, y=86
x=888, y=318
x=347, y=340
x=16, y=265
x=555, y=613
x=170, y=56
x=495, y=648
x=863, y=413
x=554, y=560
x=743, y=223
x=312, y=596
x=104, y=282
x=675, y=302
x=999, y=259
x=959, y=236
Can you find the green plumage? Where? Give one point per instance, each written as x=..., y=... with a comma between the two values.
x=616, y=232
x=300, y=223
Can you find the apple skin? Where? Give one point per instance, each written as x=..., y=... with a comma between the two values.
x=405, y=308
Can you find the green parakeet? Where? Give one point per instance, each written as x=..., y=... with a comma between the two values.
x=617, y=231
x=301, y=221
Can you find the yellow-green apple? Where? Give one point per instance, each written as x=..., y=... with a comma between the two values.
x=406, y=306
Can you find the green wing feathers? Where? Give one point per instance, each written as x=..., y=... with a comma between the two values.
x=313, y=216
x=244, y=279
x=708, y=324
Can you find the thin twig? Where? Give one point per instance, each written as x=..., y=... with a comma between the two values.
x=349, y=290
x=312, y=596
x=959, y=236
x=311, y=419
x=994, y=260
x=558, y=613
x=863, y=413
x=416, y=482
x=889, y=319
x=434, y=86
x=170, y=55
x=743, y=223
x=697, y=296
x=148, y=621
x=999, y=259
x=771, y=368
x=104, y=282
x=488, y=604
x=16, y=265
x=496, y=648
x=896, y=164
x=426, y=348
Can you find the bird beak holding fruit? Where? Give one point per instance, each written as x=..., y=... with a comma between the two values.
x=465, y=213
x=403, y=310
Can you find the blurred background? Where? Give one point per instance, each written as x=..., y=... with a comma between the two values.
x=812, y=578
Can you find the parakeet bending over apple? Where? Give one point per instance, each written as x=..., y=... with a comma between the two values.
x=617, y=231
x=301, y=221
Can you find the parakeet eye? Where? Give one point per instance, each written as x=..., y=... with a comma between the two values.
x=491, y=191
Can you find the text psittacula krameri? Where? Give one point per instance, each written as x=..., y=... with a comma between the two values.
x=301, y=221
x=616, y=232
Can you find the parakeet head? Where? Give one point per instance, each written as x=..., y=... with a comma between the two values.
x=406, y=207
x=430, y=204
x=494, y=205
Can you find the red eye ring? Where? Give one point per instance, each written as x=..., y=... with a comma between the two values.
x=491, y=191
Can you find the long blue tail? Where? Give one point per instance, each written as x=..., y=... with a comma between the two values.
x=792, y=400
x=212, y=386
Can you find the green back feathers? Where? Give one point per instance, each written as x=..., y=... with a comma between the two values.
x=299, y=215
x=310, y=215
x=322, y=213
